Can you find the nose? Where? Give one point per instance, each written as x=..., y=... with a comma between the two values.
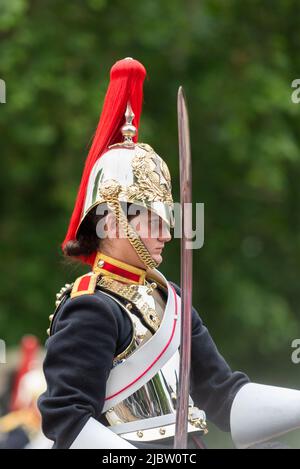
x=164, y=232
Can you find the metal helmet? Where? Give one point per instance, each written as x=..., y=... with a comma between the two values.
x=132, y=173
x=118, y=169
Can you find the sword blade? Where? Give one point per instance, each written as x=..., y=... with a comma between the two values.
x=180, y=441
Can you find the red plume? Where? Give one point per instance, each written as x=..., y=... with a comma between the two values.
x=126, y=84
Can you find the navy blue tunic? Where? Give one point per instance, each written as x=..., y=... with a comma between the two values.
x=87, y=332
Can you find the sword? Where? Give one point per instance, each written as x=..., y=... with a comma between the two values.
x=180, y=440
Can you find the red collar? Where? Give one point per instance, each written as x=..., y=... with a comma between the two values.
x=118, y=270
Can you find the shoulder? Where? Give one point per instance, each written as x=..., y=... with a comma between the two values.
x=84, y=285
x=83, y=308
x=82, y=303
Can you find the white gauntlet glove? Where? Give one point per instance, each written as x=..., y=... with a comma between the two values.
x=260, y=412
x=95, y=435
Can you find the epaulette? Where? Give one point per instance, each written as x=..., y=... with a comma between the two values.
x=85, y=285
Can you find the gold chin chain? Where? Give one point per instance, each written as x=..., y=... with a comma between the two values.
x=131, y=234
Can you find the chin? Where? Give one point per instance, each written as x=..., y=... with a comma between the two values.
x=158, y=258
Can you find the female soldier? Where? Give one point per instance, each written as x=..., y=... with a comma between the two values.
x=112, y=355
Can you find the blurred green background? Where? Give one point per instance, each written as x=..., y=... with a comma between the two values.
x=237, y=61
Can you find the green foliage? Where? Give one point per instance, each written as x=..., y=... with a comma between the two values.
x=236, y=61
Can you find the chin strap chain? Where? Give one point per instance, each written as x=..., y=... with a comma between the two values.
x=134, y=239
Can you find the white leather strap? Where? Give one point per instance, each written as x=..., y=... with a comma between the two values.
x=144, y=363
x=94, y=435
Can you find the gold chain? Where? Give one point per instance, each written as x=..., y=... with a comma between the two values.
x=131, y=234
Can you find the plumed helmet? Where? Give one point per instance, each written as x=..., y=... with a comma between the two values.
x=118, y=168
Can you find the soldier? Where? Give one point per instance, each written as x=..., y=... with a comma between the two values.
x=112, y=356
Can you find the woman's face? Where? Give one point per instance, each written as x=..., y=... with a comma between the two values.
x=152, y=230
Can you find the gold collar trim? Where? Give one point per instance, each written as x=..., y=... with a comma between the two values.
x=118, y=270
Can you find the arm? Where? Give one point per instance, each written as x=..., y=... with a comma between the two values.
x=77, y=364
x=213, y=384
x=253, y=412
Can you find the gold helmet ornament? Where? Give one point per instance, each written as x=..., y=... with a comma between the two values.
x=118, y=168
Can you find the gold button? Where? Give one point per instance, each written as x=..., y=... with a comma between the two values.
x=51, y=317
x=128, y=306
x=101, y=263
x=48, y=331
x=153, y=285
x=162, y=431
x=140, y=434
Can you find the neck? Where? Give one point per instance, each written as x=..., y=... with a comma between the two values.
x=119, y=270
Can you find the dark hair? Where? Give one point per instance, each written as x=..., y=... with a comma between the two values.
x=87, y=240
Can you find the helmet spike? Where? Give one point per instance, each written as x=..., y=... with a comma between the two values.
x=129, y=130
